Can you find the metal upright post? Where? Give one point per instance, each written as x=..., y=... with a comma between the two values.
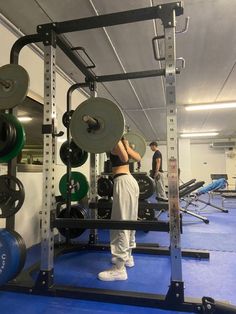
x=45, y=279
x=93, y=237
x=176, y=290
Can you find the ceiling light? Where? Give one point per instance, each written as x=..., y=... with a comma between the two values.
x=227, y=105
x=24, y=119
x=207, y=134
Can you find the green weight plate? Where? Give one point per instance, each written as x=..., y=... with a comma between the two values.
x=79, y=183
x=18, y=79
x=7, y=135
x=111, y=121
x=20, y=139
x=137, y=142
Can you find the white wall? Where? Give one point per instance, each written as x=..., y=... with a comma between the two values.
x=206, y=161
x=230, y=157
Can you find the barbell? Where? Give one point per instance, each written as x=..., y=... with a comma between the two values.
x=14, y=84
x=98, y=124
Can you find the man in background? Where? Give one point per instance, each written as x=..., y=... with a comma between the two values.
x=157, y=172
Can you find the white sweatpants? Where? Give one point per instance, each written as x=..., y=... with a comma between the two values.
x=160, y=186
x=124, y=207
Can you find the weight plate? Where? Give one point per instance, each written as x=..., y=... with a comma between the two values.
x=66, y=118
x=77, y=156
x=146, y=214
x=22, y=251
x=11, y=252
x=111, y=121
x=7, y=134
x=11, y=198
x=79, y=184
x=77, y=212
x=19, y=142
x=104, y=212
x=146, y=186
x=18, y=79
x=137, y=142
x=105, y=187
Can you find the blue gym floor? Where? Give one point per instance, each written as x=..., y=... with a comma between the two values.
x=214, y=277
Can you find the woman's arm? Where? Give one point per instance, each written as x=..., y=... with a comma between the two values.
x=132, y=153
x=120, y=151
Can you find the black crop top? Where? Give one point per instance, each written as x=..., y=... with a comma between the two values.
x=115, y=161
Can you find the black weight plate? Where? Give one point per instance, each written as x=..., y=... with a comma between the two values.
x=12, y=195
x=146, y=213
x=146, y=186
x=7, y=134
x=105, y=187
x=77, y=156
x=19, y=142
x=76, y=212
x=66, y=118
x=104, y=212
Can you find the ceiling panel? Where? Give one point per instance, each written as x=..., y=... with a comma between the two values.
x=209, y=48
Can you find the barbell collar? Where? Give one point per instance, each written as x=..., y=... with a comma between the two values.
x=93, y=124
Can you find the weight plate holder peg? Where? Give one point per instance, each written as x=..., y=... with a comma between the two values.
x=14, y=84
x=97, y=125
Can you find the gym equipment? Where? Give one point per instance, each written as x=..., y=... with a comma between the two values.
x=97, y=125
x=104, y=212
x=14, y=144
x=107, y=166
x=12, y=195
x=105, y=187
x=77, y=156
x=79, y=186
x=146, y=185
x=14, y=83
x=12, y=255
x=184, y=185
x=137, y=142
x=146, y=213
x=77, y=212
x=66, y=118
x=7, y=135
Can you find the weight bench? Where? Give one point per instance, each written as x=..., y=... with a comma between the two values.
x=196, y=198
x=186, y=184
x=184, y=190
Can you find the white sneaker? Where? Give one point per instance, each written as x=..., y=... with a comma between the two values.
x=129, y=263
x=113, y=274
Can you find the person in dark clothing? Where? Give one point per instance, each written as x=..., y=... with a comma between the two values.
x=157, y=172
